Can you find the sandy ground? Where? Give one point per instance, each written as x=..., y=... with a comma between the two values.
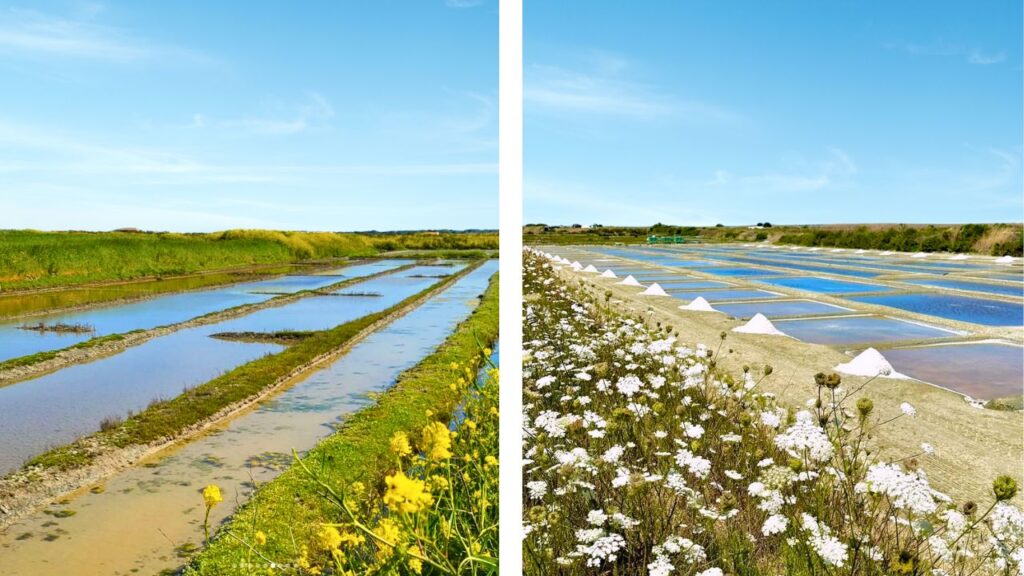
x=972, y=445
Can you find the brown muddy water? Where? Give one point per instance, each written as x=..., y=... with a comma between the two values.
x=138, y=520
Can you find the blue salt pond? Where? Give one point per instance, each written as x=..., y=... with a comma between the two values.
x=823, y=285
x=979, y=370
x=739, y=272
x=163, y=310
x=692, y=285
x=962, y=308
x=855, y=329
x=724, y=295
x=974, y=286
x=59, y=407
x=781, y=309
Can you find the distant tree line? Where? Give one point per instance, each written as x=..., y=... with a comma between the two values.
x=997, y=240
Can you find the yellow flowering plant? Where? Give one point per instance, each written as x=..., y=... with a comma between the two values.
x=436, y=512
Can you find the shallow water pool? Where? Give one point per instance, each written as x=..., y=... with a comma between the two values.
x=823, y=285
x=968, y=285
x=962, y=308
x=724, y=295
x=776, y=309
x=851, y=330
x=983, y=370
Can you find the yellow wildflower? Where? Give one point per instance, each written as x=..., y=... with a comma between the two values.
x=400, y=445
x=260, y=538
x=438, y=482
x=437, y=441
x=329, y=537
x=212, y=496
x=469, y=424
x=388, y=531
x=490, y=461
x=406, y=494
x=416, y=565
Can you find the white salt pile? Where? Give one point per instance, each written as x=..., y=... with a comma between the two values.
x=886, y=253
x=869, y=363
x=1004, y=260
x=815, y=249
x=959, y=257
x=654, y=290
x=630, y=281
x=839, y=250
x=860, y=251
x=759, y=325
x=590, y=269
x=608, y=274
x=699, y=304
x=920, y=255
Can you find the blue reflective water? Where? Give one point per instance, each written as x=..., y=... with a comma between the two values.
x=738, y=272
x=851, y=330
x=59, y=407
x=823, y=285
x=164, y=310
x=694, y=285
x=724, y=295
x=963, y=308
x=975, y=286
x=984, y=370
x=773, y=309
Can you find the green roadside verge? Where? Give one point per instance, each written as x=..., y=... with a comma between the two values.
x=289, y=509
x=165, y=420
x=138, y=336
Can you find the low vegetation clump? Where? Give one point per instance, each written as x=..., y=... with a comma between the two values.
x=643, y=457
x=59, y=328
x=406, y=486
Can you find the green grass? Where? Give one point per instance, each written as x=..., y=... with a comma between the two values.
x=38, y=357
x=289, y=508
x=32, y=259
x=168, y=418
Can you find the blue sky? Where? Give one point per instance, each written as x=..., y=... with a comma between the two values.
x=194, y=115
x=701, y=112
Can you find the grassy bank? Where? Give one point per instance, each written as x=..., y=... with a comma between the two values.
x=288, y=511
x=32, y=259
x=166, y=419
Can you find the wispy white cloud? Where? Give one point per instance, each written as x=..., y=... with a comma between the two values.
x=33, y=153
x=35, y=34
x=604, y=88
x=311, y=113
x=975, y=56
x=836, y=168
x=979, y=57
